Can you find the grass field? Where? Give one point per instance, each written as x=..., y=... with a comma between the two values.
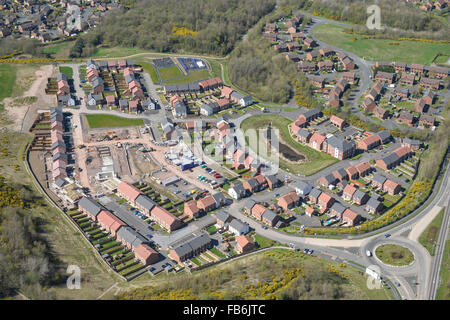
x=394, y=255
x=431, y=233
x=239, y=277
x=380, y=49
x=58, y=50
x=150, y=69
x=7, y=80
x=110, y=121
x=67, y=71
x=169, y=73
x=194, y=75
x=443, y=292
x=316, y=160
x=116, y=52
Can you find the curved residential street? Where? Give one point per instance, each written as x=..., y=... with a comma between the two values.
x=416, y=281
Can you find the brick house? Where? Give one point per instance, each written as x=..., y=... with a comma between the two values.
x=289, y=200
x=350, y=217
x=128, y=191
x=244, y=244
x=369, y=142
x=325, y=201
x=391, y=187
x=191, y=209
x=206, y=204
x=363, y=168
x=348, y=192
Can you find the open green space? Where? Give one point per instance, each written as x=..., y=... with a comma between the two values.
x=443, y=292
x=58, y=50
x=67, y=71
x=116, y=52
x=150, y=69
x=394, y=255
x=194, y=75
x=315, y=160
x=430, y=235
x=169, y=72
x=380, y=49
x=110, y=121
x=274, y=274
x=7, y=80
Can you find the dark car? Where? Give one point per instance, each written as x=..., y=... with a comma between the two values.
x=387, y=235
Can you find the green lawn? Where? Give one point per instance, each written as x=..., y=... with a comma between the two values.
x=380, y=49
x=7, y=80
x=110, y=121
x=394, y=255
x=316, y=160
x=431, y=233
x=264, y=242
x=194, y=75
x=169, y=72
x=67, y=71
x=443, y=292
x=58, y=50
x=116, y=52
x=150, y=69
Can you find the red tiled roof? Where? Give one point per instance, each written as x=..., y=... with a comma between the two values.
x=324, y=197
x=243, y=240
x=349, y=214
x=362, y=167
x=127, y=189
x=163, y=215
x=391, y=185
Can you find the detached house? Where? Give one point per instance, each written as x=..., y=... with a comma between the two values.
x=289, y=200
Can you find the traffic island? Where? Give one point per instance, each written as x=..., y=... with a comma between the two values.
x=394, y=255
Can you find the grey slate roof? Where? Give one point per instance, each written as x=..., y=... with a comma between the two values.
x=330, y=178
x=342, y=172
x=145, y=202
x=384, y=135
x=90, y=205
x=379, y=178
x=222, y=216
x=192, y=245
x=130, y=236
x=238, y=225
x=390, y=158
x=359, y=194
x=253, y=182
x=272, y=178
x=315, y=193
x=411, y=142
x=338, y=207
x=238, y=187
x=311, y=113
x=60, y=182
x=303, y=133
x=373, y=203
x=340, y=144
x=302, y=185
x=269, y=215
x=219, y=198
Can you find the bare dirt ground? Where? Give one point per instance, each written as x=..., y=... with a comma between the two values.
x=22, y=116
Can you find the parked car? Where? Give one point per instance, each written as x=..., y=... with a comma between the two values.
x=387, y=235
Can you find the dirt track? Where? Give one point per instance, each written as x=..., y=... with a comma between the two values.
x=24, y=116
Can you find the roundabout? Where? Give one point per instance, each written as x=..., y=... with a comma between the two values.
x=394, y=255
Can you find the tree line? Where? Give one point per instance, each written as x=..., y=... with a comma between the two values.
x=26, y=262
x=399, y=18
x=212, y=26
